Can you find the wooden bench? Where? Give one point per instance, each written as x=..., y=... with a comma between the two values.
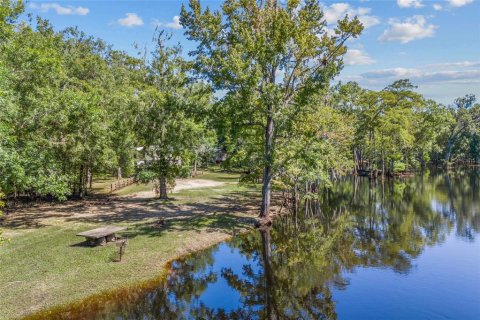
x=100, y=236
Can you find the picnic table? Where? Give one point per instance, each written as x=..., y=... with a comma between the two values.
x=101, y=236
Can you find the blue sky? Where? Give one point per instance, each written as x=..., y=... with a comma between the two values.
x=436, y=43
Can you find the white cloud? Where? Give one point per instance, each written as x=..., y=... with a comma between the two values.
x=421, y=76
x=459, y=3
x=357, y=57
x=130, y=20
x=409, y=3
x=391, y=73
x=61, y=10
x=368, y=21
x=175, y=24
x=460, y=64
x=440, y=81
x=337, y=11
x=452, y=3
x=413, y=28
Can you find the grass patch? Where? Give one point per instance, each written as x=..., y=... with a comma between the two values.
x=219, y=176
x=102, y=185
x=46, y=265
x=134, y=188
x=197, y=195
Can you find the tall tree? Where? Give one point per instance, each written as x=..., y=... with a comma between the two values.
x=125, y=77
x=62, y=97
x=384, y=123
x=2, y=204
x=274, y=55
x=166, y=122
x=429, y=125
x=465, y=116
x=9, y=12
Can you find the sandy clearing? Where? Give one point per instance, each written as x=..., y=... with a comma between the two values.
x=196, y=183
x=181, y=184
x=188, y=227
x=128, y=206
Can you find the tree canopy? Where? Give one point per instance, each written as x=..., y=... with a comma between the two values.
x=257, y=93
x=272, y=55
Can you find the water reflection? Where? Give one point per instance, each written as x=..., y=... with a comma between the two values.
x=295, y=269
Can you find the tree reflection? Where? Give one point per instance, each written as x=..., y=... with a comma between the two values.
x=177, y=298
x=463, y=201
x=290, y=284
x=292, y=268
x=358, y=223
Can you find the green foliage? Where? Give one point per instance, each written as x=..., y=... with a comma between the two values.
x=9, y=12
x=73, y=108
x=170, y=123
x=399, y=167
x=318, y=144
x=396, y=129
x=145, y=176
x=462, y=132
x=67, y=111
x=272, y=58
x=2, y=205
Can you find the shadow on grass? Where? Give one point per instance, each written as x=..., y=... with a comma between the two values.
x=34, y=217
x=222, y=213
x=218, y=177
x=81, y=244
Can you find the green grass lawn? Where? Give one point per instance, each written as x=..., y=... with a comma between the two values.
x=101, y=185
x=134, y=188
x=45, y=264
x=218, y=176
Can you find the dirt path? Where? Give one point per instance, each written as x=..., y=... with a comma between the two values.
x=181, y=184
x=129, y=208
x=49, y=265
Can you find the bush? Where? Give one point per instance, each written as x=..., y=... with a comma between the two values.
x=399, y=167
x=2, y=204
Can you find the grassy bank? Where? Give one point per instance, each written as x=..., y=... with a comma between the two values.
x=45, y=264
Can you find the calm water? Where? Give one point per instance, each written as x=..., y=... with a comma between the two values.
x=407, y=249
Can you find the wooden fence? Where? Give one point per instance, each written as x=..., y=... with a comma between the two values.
x=126, y=182
x=121, y=184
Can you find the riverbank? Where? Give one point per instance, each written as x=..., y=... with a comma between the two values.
x=46, y=265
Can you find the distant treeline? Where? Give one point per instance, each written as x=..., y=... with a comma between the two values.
x=73, y=108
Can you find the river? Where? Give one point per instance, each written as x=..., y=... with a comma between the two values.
x=402, y=249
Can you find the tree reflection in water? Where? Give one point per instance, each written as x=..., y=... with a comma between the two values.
x=290, y=271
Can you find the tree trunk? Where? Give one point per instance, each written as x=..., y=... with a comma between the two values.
x=383, y=164
x=119, y=173
x=85, y=181
x=267, y=169
x=355, y=161
x=422, y=160
x=448, y=154
x=80, y=183
x=163, y=187
x=90, y=178
x=269, y=283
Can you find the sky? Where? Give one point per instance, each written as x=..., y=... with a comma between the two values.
x=434, y=43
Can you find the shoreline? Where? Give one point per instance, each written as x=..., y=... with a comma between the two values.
x=47, y=267
x=95, y=304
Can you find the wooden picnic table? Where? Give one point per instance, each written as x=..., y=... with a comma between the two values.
x=100, y=236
